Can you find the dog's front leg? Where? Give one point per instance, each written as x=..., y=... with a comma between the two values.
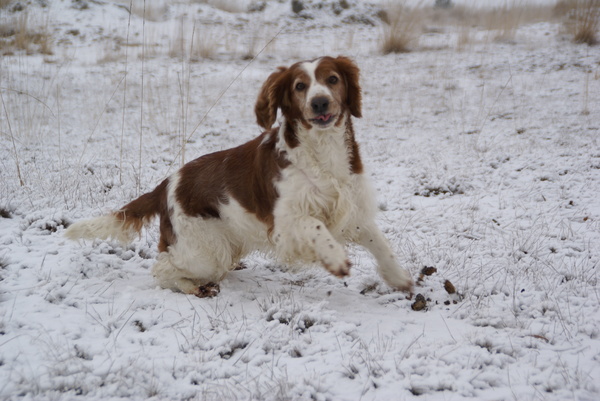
x=312, y=240
x=395, y=276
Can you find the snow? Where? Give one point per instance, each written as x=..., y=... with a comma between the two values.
x=486, y=162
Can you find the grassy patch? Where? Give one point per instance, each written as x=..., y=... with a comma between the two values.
x=23, y=33
x=402, y=28
x=580, y=19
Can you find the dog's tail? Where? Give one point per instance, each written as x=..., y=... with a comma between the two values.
x=124, y=224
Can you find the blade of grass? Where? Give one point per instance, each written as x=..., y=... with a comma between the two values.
x=12, y=138
x=124, y=96
x=138, y=186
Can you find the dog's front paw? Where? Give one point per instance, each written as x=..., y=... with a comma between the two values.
x=397, y=278
x=335, y=260
x=339, y=270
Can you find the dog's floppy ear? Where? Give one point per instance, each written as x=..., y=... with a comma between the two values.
x=353, y=91
x=270, y=98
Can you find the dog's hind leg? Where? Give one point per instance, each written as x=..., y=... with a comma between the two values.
x=197, y=259
x=171, y=277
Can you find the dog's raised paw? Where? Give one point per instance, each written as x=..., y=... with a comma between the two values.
x=209, y=290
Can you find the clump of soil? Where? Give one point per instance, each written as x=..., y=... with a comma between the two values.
x=420, y=303
x=449, y=287
x=426, y=271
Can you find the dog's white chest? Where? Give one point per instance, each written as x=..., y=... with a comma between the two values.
x=319, y=195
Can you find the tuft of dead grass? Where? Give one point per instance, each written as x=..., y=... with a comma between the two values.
x=402, y=29
x=587, y=16
x=581, y=19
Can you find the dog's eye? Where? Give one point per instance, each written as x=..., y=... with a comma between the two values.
x=300, y=86
x=333, y=80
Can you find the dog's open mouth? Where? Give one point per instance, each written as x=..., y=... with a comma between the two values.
x=323, y=120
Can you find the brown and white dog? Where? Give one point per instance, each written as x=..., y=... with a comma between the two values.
x=297, y=191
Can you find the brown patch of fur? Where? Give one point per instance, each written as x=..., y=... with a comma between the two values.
x=270, y=98
x=347, y=90
x=289, y=134
x=350, y=72
x=140, y=211
x=167, y=235
x=247, y=173
x=356, y=165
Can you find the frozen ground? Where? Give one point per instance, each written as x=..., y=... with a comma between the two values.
x=485, y=156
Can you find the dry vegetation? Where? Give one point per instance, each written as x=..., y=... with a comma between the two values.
x=404, y=25
x=20, y=32
x=581, y=19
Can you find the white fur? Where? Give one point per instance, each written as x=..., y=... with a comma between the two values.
x=103, y=227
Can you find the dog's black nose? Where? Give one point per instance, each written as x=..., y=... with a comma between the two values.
x=320, y=105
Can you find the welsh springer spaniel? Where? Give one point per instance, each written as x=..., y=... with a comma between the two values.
x=297, y=191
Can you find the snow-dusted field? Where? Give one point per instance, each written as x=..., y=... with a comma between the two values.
x=485, y=156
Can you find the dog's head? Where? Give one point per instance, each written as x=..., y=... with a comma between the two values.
x=317, y=93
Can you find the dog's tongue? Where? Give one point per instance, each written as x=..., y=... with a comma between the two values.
x=324, y=117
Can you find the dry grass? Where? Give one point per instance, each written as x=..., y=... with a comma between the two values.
x=505, y=21
x=204, y=43
x=18, y=34
x=402, y=29
x=194, y=41
x=404, y=25
x=178, y=48
x=501, y=22
x=581, y=19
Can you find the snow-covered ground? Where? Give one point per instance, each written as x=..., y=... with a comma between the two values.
x=485, y=155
